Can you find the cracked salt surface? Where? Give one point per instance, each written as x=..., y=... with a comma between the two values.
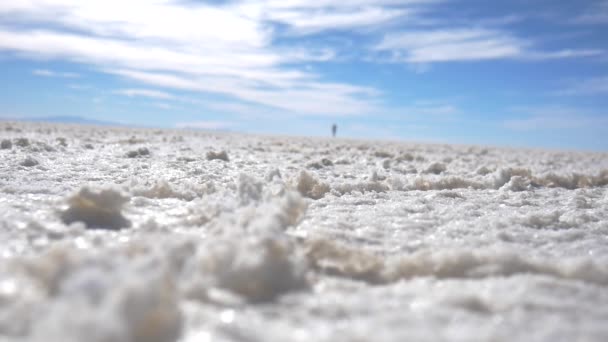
x=116, y=234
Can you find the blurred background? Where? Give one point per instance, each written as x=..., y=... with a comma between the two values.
x=516, y=73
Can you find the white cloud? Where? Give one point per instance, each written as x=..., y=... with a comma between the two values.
x=467, y=44
x=49, y=73
x=452, y=45
x=223, y=49
x=303, y=17
x=320, y=4
x=146, y=93
x=165, y=20
x=567, y=53
x=306, y=22
x=309, y=97
x=235, y=49
x=134, y=55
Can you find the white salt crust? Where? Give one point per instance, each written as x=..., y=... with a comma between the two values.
x=133, y=235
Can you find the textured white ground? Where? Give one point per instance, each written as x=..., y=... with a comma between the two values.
x=295, y=239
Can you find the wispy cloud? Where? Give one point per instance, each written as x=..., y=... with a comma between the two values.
x=467, y=44
x=562, y=54
x=451, y=45
x=157, y=94
x=50, y=73
x=224, y=49
x=316, y=20
x=304, y=17
x=306, y=98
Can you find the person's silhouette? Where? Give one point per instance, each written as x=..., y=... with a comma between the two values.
x=334, y=128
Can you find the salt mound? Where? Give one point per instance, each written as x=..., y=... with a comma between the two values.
x=162, y=190
x=211, y=155
x=249, y=189
x=436, y=168
x=405, y=157
x=140, y=152
x=97, y=210
x=150, y=310
x=257, y=261
x=370, y=186
x=333, y=259
x=517, y=183
x=320, y=164
x=503, y=176
x=93, y=297
x=6, y=144
x=262, y=270
x=542, y=220
x=276, y=216
x=602, y=178
x=270, y=176
x=311, y=187
x=330, y=258
x=383, y=154
x=482, y=264
x=29, y=161
x=483, y=171
x=22, y=142
x=508, y=179
x=448, y=183
x=571, y=182
x=522, y=179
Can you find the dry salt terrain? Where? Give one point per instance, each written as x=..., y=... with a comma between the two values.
x=142, y=235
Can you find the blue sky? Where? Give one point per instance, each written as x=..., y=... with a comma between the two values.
x=517, y=73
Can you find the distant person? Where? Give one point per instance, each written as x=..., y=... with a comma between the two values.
x=334, y=128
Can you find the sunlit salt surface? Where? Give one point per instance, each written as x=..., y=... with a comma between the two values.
x=117, y=234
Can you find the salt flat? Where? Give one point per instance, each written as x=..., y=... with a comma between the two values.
x=120, y=234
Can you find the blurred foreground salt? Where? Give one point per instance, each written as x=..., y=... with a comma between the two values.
x=115, y=234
